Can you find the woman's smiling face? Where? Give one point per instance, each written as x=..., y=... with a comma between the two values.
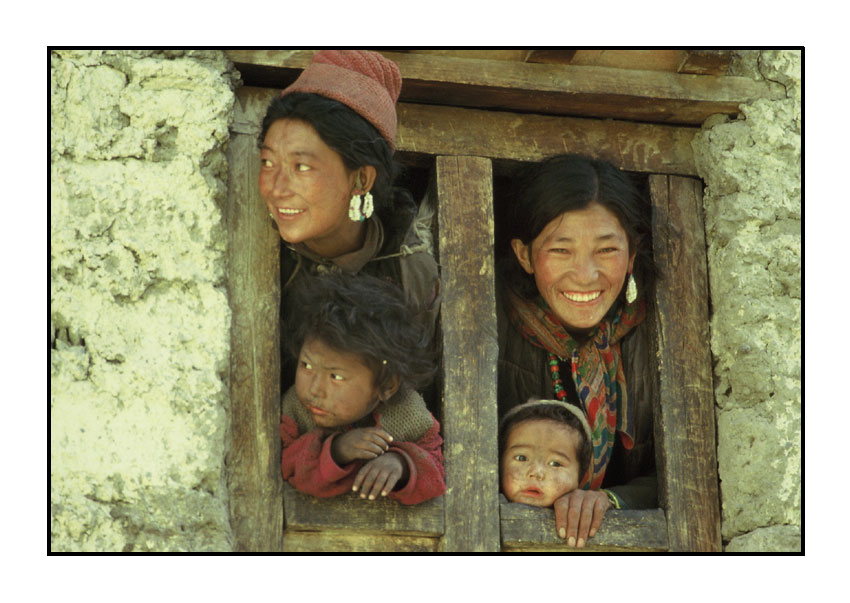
x=307, y=188
x=579, y=261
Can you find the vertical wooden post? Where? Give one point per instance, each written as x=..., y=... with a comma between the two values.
x=470, y=353
x=253, y=283
x=685, y=434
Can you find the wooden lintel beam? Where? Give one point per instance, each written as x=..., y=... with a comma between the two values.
x=427, y=130
x=499, y=135
x=602, y=92
x=558, y=57
x=705, y=62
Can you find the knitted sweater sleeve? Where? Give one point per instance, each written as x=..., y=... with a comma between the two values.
x=307, y=463
x=306, y=460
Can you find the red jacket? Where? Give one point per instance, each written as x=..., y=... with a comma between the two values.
x=307, y=463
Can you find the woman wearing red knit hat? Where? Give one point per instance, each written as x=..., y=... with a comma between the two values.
x=327, y=172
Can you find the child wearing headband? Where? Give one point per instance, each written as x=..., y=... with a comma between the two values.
x=545, y=451
x=353, y=420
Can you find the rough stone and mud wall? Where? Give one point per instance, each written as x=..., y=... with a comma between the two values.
x=139, y=316
x=753, y=206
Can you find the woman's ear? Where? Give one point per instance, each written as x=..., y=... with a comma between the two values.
x=633, y=254
x=366, y=178
x=523, y=254
x=391, y=388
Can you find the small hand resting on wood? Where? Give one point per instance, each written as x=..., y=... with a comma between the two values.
x=383, y=471
x=578, y=515
x=362, y=443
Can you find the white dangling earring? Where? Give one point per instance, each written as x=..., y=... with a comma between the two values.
x=368, y=205
x=354, y=209
x=631, y=289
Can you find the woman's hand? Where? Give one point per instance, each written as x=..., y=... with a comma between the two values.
x=578, y=514
x=361, y=443
x=380, y=475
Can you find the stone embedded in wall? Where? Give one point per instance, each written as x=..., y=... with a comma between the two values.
x=753, y=212
x=784, y=539
x=139, y=365
x=759, y=455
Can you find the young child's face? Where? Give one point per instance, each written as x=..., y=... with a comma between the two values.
x=540, y=462
x=334, y=386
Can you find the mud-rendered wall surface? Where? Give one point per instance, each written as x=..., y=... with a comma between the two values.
x=753, y=206
x=140, y=319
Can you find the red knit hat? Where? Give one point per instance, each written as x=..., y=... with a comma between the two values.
x=364, y=80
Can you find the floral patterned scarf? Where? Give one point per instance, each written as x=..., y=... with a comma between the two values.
x=596, y=369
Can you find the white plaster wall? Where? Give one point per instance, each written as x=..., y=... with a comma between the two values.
x=753, y=210
x=140, y=319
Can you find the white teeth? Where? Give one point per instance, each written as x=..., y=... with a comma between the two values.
x=290, y=212
x=582, y=297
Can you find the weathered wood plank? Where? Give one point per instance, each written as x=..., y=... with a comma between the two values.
x=470, y=351
x=705, y=62
x=527, y=528
x=576, y=90
x=339, y=541
x=647, y=60
x=489, y=54
x=350, y=512
x=431, y=129
x=427, y=130
x=557, y=57
x=685, y=416
x=253, y=284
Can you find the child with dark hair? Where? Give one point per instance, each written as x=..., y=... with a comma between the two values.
x=545, y=451
x=353, y=420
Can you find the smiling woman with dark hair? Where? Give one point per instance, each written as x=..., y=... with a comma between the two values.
x=572, y=288
x=327, y=177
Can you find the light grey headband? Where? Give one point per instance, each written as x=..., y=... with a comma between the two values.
x=535, y=402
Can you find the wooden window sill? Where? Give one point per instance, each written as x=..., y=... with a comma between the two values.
x=349, y=523
x=531, y=529
x=350, y=512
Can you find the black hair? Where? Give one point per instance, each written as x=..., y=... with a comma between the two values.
x=550, y=412
x=356, y=140
x=366, y=316
x=563, y=183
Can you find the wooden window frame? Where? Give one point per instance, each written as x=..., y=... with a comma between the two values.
x=269, y=515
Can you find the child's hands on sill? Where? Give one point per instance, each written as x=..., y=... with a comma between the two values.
x=578, y=515
x=361, y=443
x=381, y=475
